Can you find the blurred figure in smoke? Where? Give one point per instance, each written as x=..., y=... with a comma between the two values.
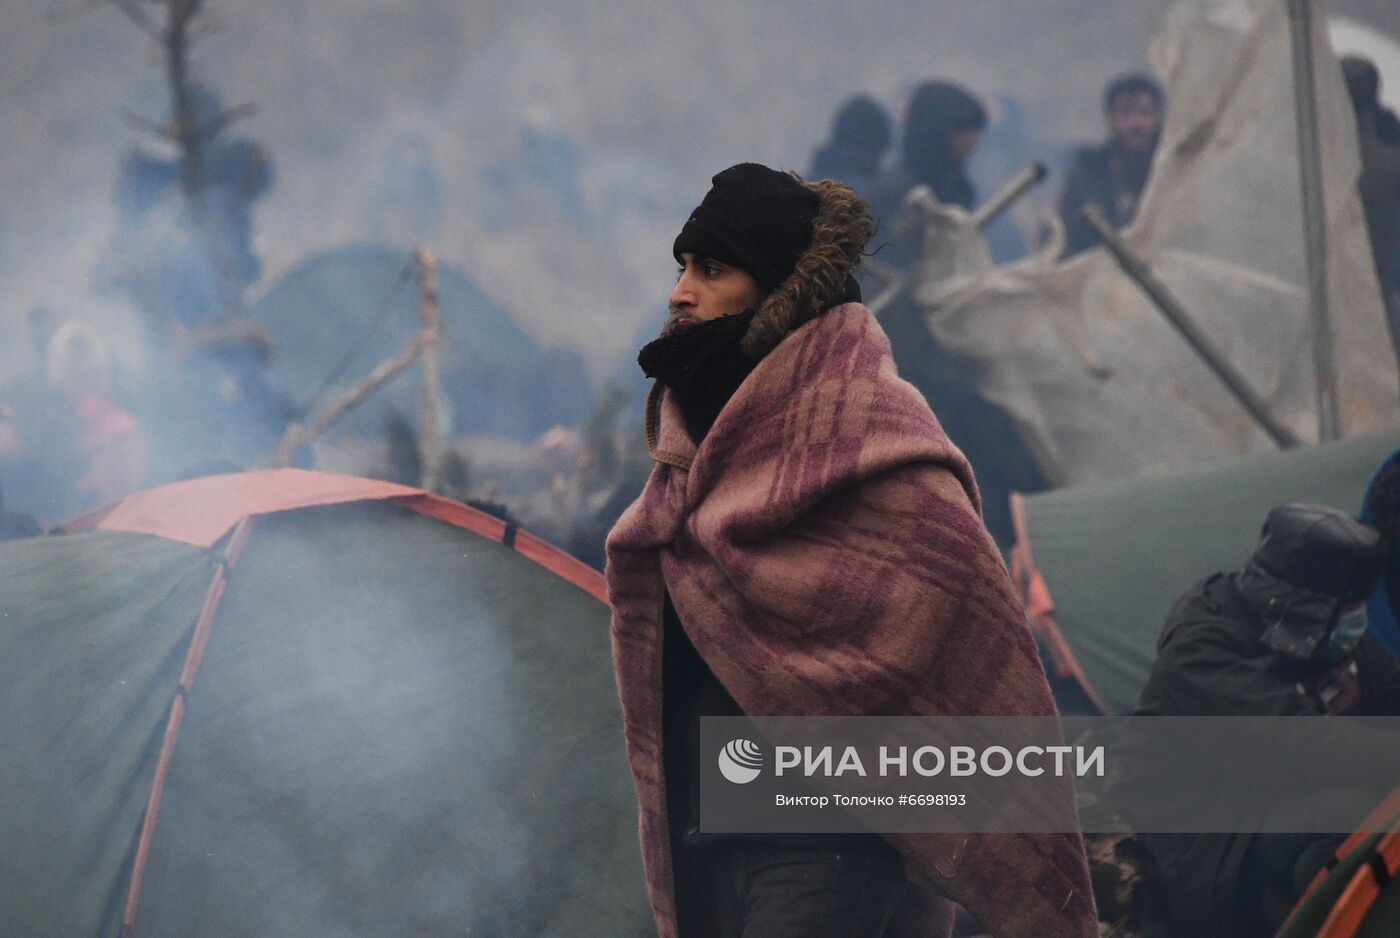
x=67, y=445
x=1363, y=82
x=111, y=447
x=942, y=126
x=1379, y=140
x=860, y=137
x=31, y=412
x=1113, y=174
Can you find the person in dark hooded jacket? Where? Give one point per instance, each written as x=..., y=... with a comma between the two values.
x=860, y=137
x=942, y=127
x=1285, y=636
x=1379, y=184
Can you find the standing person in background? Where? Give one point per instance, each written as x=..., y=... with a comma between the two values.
x=809, y=543
x=1380, y=179
x=1113, y=174
x=68, y=445
x=860, y=138
x=942, y=127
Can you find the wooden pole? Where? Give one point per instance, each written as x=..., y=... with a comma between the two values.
x=1180, y=320
x=898, y=285
x=430, y=337
x=1024, y=181
x=1300, y=22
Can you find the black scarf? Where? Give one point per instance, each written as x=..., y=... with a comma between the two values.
x=703, y=366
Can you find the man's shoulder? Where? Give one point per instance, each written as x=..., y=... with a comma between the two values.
x=1212, y=610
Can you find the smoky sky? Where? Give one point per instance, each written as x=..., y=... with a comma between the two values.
x=567, y=141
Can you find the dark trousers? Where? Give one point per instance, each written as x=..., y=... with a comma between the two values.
x=826, y=888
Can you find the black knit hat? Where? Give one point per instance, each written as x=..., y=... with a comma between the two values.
x=756, y=218
x=1322, y=550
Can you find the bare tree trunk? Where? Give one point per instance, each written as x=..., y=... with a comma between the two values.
x=186, y=127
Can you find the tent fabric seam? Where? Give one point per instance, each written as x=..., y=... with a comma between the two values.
x=194, y=657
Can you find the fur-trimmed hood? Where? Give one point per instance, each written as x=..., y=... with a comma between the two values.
x=840, y=231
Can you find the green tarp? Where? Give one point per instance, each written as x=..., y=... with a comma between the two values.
x=399, y=727
x=1116, y=557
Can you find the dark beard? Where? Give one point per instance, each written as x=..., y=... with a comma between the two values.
x=702, y=364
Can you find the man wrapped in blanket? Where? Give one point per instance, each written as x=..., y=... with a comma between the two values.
x=810, y=543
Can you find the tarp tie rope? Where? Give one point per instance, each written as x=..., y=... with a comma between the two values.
x=203, y=626
x=508, y=538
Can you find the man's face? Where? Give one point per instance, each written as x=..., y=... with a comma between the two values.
x=1133, y=120
x=708, y=289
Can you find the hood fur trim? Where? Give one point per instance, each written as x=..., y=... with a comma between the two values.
x=840, y=232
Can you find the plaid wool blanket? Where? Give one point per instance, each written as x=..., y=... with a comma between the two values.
x=824, y=550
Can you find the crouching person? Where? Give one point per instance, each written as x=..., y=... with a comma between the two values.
x=1284, y=636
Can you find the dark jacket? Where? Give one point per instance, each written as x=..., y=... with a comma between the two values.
x=856, y=166
x=1109, y=178
x=1380, y=199
x=1211, y=662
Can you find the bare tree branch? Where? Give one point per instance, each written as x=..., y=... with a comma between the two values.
x=146, y=126
x=139, y=16
x=208, y=24
x=130, y=8
x=68, y=14
x=223, y=121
